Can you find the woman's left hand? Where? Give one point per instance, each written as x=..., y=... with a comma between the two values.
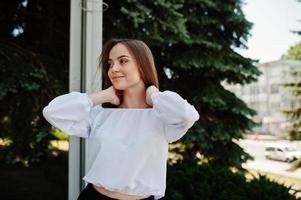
x=149, y=91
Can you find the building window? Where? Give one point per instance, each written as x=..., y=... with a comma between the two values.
x=295, y=104
x=254, y=89
x=274, y=89
x=275, y=106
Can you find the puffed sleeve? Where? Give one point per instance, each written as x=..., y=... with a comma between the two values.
x=175, y=112
x=72, y=113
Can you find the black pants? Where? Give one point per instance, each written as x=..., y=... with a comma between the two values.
x=89, y=193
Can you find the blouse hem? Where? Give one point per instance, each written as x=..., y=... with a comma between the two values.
x=110, y=188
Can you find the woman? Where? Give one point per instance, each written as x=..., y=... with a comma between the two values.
x=128, y=124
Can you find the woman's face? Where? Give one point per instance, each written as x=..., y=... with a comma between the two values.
x=123, y=71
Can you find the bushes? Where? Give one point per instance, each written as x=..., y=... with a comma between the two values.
x=212, y=182
x=263, y=188
x=25, y=90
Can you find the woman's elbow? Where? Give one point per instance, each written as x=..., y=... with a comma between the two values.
x=191, y=116
x=46, y=113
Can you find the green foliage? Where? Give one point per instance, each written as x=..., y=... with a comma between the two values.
x=22, y=93
x=264, y=188
x=60, y=135
x=210, y=181
x=193, y=43
x=33, y=69
x=24, y=79
x=294, y=52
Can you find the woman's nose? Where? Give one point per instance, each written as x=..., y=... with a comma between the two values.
x=115, y=67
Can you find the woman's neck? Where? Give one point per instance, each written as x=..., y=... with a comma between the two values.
x=135, y=97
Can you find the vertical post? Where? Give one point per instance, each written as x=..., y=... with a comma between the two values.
x=93, y=44
x=74, y=158
x=85, y=46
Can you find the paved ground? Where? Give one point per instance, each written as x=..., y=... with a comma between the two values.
x=256, y=149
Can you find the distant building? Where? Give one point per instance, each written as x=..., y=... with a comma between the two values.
x=269, y=97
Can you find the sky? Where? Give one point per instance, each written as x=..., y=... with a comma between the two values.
x=272, y=22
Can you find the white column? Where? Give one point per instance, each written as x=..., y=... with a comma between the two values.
x=85, y=46
x=93, y=45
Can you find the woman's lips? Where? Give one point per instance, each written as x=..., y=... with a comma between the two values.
x=117, y=77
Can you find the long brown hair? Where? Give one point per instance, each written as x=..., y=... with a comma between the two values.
x=141, y=53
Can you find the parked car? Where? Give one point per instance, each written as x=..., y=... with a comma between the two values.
x=283, y=152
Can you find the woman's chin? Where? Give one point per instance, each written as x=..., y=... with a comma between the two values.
x=119, y=87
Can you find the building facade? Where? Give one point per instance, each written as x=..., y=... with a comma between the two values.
x=269, y=96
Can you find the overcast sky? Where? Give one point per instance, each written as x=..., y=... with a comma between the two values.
x=273, y=20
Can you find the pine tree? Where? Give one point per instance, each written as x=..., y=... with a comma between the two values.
x=193, y=44
x=34, y=69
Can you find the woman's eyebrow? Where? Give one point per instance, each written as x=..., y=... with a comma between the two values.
x=122, y=56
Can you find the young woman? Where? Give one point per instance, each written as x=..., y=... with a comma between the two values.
x=128, y=124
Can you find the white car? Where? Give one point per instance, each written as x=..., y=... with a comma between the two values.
x=283, y=152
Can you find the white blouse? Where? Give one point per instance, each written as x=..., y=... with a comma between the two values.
x=128, y=147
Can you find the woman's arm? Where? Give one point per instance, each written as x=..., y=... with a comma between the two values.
x=175, y=112
x=107, y=95
x=73, y=112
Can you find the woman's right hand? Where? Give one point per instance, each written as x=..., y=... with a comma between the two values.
x=114, y=95
x=109, y=95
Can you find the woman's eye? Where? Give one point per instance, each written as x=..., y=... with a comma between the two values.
x=123, y=61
